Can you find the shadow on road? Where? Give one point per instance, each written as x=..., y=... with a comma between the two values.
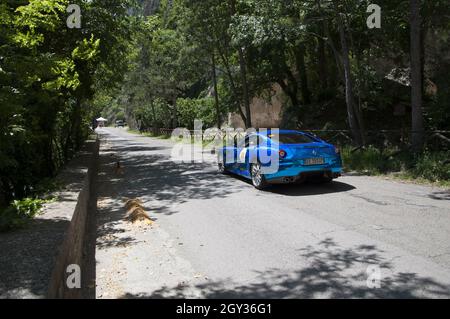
x=149, y=175
x=444, y=195
x=27, y=258
x=158, y=181
x=332, y=272
x=311, y=189
x=304, y=189
x=329, y=271
x=130, y=148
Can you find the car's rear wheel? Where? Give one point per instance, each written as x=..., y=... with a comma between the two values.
x=322, y=179
x=326, y=180
x=258, y=178
x=221, y=168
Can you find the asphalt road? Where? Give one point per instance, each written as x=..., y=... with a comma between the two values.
x=216, y=236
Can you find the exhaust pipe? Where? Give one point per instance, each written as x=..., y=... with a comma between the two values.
x=288, y=180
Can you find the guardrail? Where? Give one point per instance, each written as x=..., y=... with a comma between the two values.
x=380, y=138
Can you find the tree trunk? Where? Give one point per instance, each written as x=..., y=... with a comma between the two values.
x=5, y=195
x=351, y=107
x=216, y=93
x=301, y=67
x=322, y=57
x=79, y=137
x=73, y=132
x=245, y=93
x=243, y=71
x=154, y=122
x=222, y=48
x=233, y=86
x=322, y=65
x=175, y=113
x=417, y=136
x=337, y=57
x=291, y=92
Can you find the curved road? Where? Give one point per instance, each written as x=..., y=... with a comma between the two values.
x=217, y=237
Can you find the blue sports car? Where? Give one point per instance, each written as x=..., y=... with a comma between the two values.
x=280, y=157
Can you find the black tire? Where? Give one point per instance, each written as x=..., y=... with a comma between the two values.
x=258, y=178
x=301, y=180
x=221, y=167
x=326, y=180
x=321, y=180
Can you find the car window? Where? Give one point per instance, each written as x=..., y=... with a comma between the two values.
x=292, y=138
x=243, y=142
x=248, y=141
x=237, y=141
x=252, y=140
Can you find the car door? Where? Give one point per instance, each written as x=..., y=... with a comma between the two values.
x=241, y=151
x=230, y=155
x=245, y=149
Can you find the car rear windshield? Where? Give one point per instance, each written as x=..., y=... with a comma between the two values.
x=293, y=138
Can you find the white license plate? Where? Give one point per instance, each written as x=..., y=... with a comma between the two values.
x=315, y=161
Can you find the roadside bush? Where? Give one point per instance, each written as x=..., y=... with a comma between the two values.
x=19, y=213
x=369, y=160
x=431, y=166
x=196, y=109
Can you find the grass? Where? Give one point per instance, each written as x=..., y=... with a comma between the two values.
x=166, y=137
x=427, y=168
x=19, y=213
x=148, y=134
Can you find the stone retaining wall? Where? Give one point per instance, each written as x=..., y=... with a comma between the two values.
x=73, y=249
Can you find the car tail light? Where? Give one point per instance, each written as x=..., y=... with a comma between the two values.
x=283, y=154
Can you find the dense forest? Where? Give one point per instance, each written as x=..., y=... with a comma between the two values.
x=162, y=64
x=334, y=70
x=49, y=75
